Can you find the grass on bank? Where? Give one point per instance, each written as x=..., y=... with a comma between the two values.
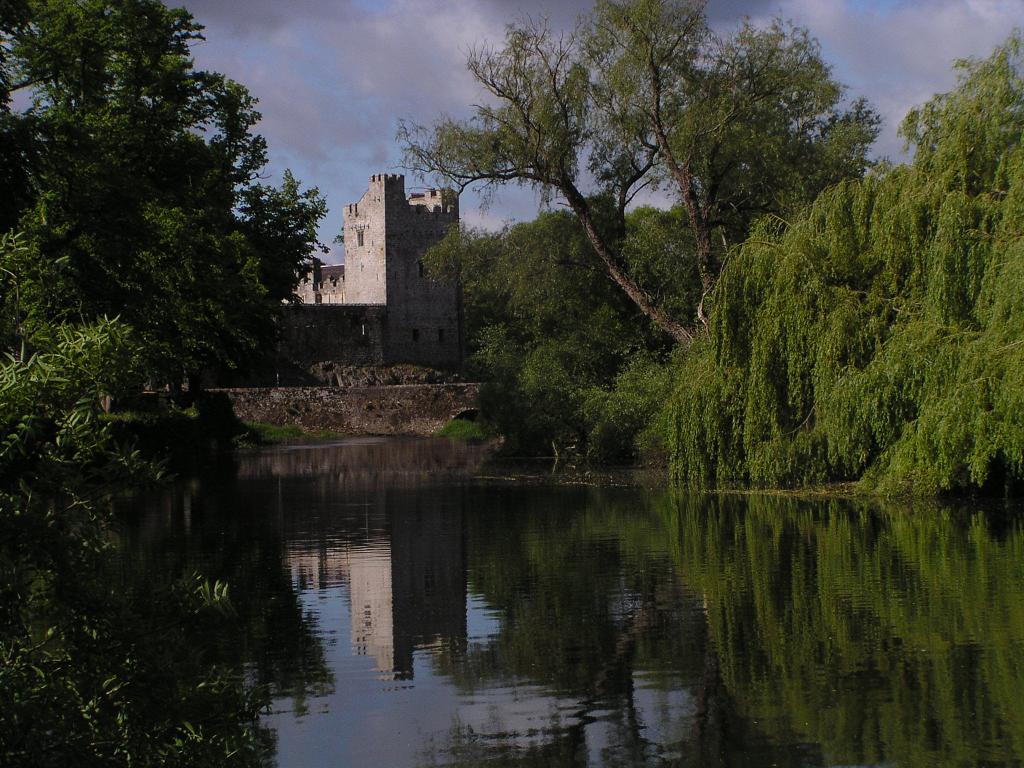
x=272, y=434
x=463, y=430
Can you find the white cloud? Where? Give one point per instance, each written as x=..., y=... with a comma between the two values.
x=901, y=55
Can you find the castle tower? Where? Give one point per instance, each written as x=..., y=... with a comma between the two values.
x=381, y=306
x=386, y=237
x=424, y=315
x=365, y=233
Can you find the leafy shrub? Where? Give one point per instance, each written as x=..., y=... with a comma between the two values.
x=624, y=421
x=94, y=671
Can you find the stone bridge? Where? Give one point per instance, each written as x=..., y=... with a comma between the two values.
x=402, y=409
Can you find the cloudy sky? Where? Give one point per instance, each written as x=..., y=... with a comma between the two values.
x=334, y=76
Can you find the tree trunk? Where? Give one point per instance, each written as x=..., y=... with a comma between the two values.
x=684, y=178
x=698, y=223
x=671, y=326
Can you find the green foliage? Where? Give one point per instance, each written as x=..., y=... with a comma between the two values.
x=94, y=670
x=49, y=404
x=758, y=115
x=659, y=250
x=134, y=179
x=644, y=93
x=548, y=333
x=878, y=337
x=624, y=419
x=280, y=224
x=463, y=430
x=140, y=196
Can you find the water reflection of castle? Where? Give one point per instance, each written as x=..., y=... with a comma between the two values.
x=407, y=590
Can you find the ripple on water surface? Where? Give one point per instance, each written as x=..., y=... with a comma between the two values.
x=404, y=613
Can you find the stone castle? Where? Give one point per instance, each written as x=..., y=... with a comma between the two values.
x=380, y=307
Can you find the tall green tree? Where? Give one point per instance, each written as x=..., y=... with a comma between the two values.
x=641, y=93
x=744, y=125
x=878, y=337
x=145, y=188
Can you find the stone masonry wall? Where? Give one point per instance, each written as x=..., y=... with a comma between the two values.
x=355, y=334
x=414, y=409
x=364, y=233
x=423, y=314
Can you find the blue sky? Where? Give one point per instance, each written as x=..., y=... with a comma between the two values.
x=334, y=76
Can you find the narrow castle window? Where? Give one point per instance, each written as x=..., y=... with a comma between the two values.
x=440, y=335
x=359, y=238
x=419, y=265
x=415, y=334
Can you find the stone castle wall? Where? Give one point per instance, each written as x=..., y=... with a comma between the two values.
x=312, y=335
x=424, y=323
x=349, y=332
x=386, y=235
x=414, y=409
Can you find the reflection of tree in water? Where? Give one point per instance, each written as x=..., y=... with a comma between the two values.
x=593, y=620
x=804, y=633
x=208, y=527
x=882, y=636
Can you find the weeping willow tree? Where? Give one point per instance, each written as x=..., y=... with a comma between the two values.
x=880, y=337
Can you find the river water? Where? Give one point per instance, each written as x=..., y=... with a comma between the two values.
x=408, y=605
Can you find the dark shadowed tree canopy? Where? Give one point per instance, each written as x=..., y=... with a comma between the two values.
x=136, y=181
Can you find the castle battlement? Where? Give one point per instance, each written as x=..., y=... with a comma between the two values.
x=389, y=188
